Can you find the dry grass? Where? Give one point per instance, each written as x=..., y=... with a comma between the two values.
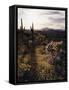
x=45, y=70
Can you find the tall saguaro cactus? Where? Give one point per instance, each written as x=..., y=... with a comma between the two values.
x=32, y=30
x=21, y=27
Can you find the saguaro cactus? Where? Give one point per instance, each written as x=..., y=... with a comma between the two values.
x=21, y=27
x=32, y=30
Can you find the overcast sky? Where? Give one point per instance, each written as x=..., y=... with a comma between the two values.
x=54, y=19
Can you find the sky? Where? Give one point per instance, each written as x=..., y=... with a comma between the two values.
x=41, y=18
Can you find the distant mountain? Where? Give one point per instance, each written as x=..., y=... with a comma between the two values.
x=46, y=29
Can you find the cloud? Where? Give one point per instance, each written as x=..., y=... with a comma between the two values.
x=53, y=12
x=57, y=20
